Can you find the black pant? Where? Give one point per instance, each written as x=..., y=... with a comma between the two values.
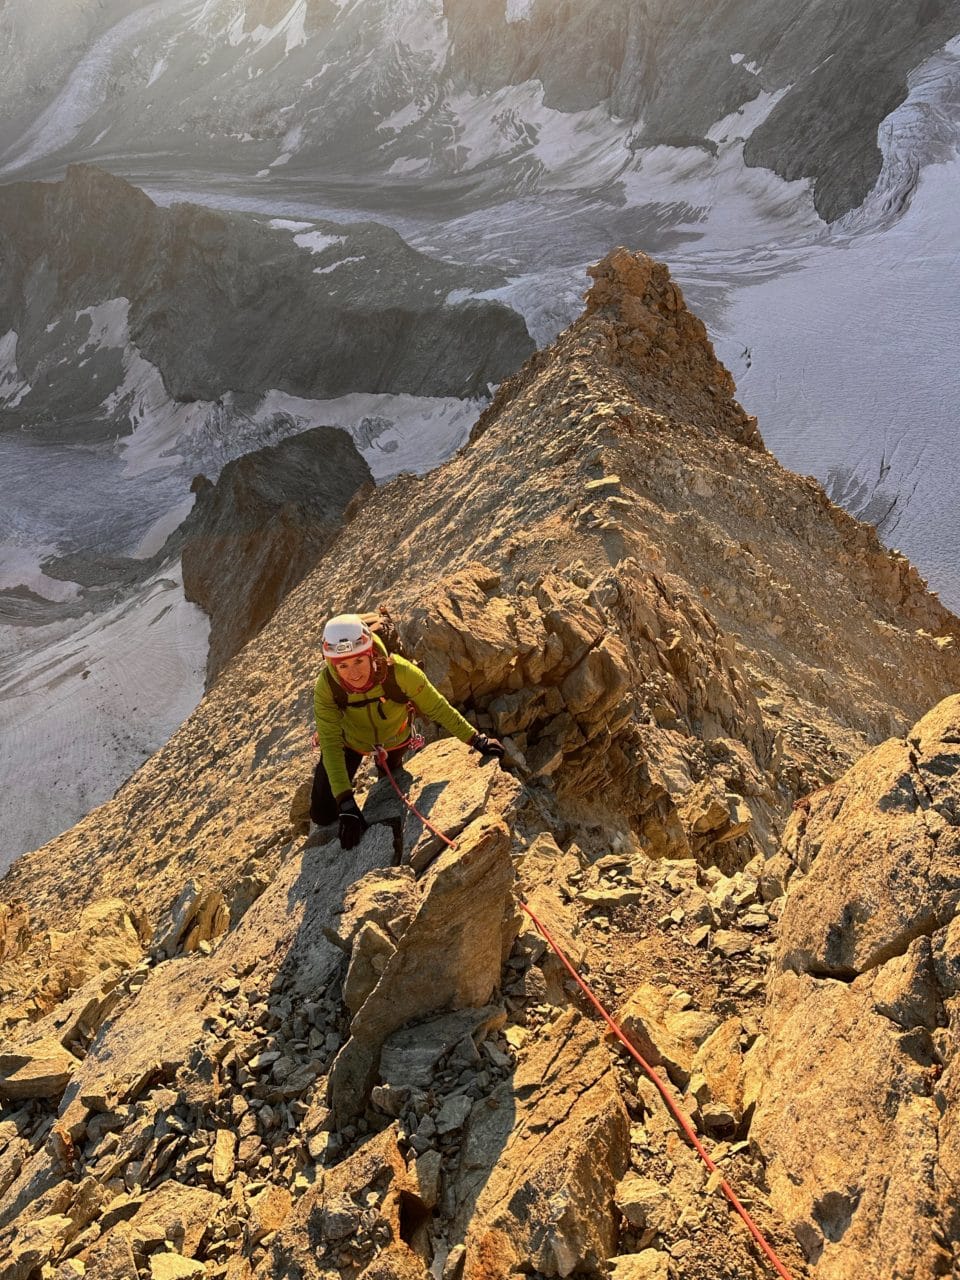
x=323, y=807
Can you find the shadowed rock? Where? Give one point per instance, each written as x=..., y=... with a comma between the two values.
x=254, y=534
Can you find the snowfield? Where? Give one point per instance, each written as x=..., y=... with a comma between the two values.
x=83, y=706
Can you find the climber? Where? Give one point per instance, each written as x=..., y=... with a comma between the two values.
x=363, y=699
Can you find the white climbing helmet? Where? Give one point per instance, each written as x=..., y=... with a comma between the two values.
x=346, y=636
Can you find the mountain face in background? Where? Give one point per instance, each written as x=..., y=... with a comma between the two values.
x=797, y=169
x=373, y=87
x=233, y=1042
x=224, y=304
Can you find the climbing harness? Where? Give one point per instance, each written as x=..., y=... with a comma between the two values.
x=672, y=1107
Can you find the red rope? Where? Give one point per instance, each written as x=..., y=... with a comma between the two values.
x=674, y=1110
x=381, y=758
x=677, y=1114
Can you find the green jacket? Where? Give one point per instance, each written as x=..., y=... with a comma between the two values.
x=385, y=723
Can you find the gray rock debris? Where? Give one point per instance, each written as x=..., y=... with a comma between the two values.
x=409, y=1056
x=541, y=1158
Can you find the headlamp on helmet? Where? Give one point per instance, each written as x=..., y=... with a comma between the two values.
x=346, y=636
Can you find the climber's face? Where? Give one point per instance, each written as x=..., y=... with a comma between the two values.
x=354, y=672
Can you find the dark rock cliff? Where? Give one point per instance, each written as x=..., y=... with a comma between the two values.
x=677, y=70
x=255, y=533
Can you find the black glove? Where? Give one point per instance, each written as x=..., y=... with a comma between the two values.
x=351, y=823
x=487, y=746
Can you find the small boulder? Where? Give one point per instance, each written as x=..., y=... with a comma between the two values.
x=649, y=1264
x=42, y=1069
x=372, y=949
x=664, y=1035
x=171, y=1266
x=646, y=1205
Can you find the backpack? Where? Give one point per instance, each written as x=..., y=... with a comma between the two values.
x=381, y=624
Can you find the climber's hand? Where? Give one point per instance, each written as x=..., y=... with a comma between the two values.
x=351, y=823
x=487, y=746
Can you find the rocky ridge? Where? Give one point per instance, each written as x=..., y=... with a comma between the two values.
x=309, y=1063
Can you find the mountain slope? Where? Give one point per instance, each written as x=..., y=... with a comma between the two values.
x=320, y=1065
x=633, y=391
x=222, y=303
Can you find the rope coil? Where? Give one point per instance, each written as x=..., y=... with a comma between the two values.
x=677, y=1113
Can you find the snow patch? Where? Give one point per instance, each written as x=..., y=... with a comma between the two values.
x=414, y=433
x=20, y=567
x=109, y=324
x=421, y=26
x=296, y=26
x=568, y=149
x=284, y=224
x=292, y=26
x=317, y=241
x=519, y=10
x=13, y=388
x=325, y=271
x=158, y=69
x=746, y=211
x=738, y=125
x=547, y=301
x=158, y=421
x=235, y=32
x=408, y=166
x=157, y=534
x=293, y=138
x=408, y=114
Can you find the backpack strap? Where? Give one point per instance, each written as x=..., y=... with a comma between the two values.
x=391, y=685
x=337, y=690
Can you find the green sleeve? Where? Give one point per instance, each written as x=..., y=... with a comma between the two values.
x=330, y=736
x=429, y=701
